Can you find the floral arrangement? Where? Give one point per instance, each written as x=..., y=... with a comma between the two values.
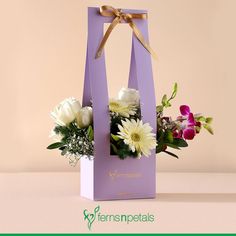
x=129, y=137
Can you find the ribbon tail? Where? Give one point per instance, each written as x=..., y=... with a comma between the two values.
x=106, y=36
x=141, y=39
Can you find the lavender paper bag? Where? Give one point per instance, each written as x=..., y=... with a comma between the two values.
x=107, y=177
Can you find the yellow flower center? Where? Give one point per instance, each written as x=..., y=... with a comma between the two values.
x=114, y=105
x=135, y=137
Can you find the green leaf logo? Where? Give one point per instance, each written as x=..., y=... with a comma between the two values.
x=91, y=217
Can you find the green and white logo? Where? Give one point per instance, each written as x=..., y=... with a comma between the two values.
x=91, y=217
x=96, y=215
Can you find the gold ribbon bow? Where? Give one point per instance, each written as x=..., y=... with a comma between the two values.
x=119, y=17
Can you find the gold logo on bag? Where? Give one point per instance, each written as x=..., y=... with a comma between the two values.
x=115, y=174
x=126, y=194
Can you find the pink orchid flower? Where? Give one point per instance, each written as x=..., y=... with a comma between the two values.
x=188, y=124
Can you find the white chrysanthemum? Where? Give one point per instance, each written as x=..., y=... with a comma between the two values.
x=121, y=108
x=138, y=136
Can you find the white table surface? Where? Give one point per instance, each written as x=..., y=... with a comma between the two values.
x=51, y=203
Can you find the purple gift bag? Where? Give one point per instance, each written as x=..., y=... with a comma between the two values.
x=107, y=177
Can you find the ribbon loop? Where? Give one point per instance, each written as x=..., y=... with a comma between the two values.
x=119, y=16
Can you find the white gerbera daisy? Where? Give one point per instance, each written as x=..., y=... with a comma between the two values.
x=138, y=136
x=121, y=108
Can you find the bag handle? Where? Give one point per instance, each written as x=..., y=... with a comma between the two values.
x=95, y=83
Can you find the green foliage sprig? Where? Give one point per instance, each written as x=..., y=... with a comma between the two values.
x=74, y=141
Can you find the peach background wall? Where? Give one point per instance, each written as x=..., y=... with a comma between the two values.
x=42, y=56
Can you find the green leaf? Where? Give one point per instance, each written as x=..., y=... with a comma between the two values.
x=180, y=142
x=171, y=154
x=164, y=100
x=123, y=151
x=168, y=136
x=172, y=146
x=208, y=128
x=73, y=127
x=201, y=118
x=159, y=109
x=64, y=139
x=175, y=89
x=114, y=148
x=115, y=137
x=159, y=148
x=55, y=145
x=90, y=133
x=65, y=131
x=168, y=104
x=160, y=136
x=209, y=120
